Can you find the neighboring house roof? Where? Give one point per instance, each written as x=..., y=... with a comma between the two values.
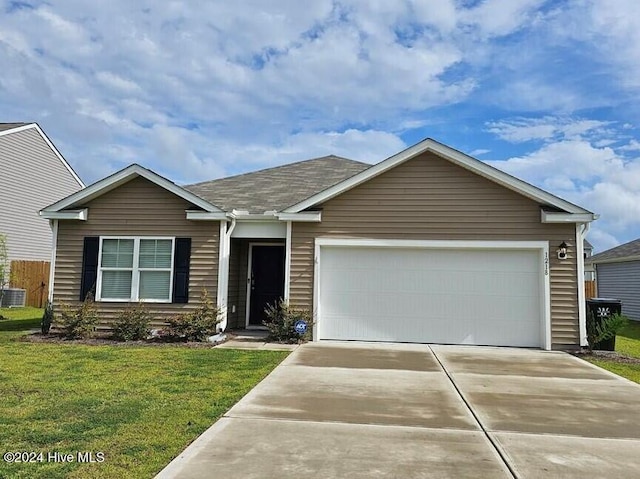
x=626, y=252
x=456, y=157
x=277, y=188
x=10, y=128
x=587, y=244
x=79, y=199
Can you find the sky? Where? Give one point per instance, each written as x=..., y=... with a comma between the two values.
x=548, y=91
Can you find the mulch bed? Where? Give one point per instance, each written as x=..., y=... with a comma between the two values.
x=607, y=356
x=105, y=340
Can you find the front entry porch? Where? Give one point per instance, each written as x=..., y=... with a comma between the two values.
x=256, y=279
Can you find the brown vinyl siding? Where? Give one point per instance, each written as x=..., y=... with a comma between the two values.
x=429, y=198
x=137, y=208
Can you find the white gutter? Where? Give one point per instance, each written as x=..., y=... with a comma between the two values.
x=81, y=215
x=223, y=270
x=581, y=232
x=554, y=217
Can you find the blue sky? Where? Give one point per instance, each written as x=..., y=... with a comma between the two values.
x=546, y=90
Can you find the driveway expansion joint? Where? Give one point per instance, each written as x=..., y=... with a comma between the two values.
x=498, y=449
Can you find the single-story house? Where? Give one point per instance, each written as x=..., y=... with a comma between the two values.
x=618, y=276
x=429, y=246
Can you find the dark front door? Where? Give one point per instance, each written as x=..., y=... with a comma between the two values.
x=266, y=280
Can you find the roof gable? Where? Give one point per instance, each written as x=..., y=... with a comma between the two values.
x=454, y=156
x=10, y=128
x=274, y=189
x=625, y=252
x=119, y=178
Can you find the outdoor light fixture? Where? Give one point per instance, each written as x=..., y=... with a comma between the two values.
x=562, y=251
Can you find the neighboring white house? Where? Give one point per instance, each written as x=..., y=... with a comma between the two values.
x=33, y=174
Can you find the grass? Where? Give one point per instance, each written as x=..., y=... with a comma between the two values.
x=628, y=340
x=629, y=371
x=20, y=319
x=627, y=344
x=140, y=406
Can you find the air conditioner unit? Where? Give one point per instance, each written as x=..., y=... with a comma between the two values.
x=13, y=297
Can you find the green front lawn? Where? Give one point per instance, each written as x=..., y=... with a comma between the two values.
x=627, y=344
x=20, y=319
x=628, y=340
x=139, y=406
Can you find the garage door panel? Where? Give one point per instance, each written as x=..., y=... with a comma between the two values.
x=428, y=295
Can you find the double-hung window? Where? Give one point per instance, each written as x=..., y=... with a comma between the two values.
x=135, y=269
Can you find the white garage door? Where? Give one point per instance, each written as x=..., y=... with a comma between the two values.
x=450, y=296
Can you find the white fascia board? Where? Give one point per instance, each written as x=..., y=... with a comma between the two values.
x=123, y=176
x=303, y=216
x=244, y=216
x=448, y=153
x=17, y=129
x=81, y=215
x=259, y=229
x=206, y=215
x=50, y=145
x=554, y=217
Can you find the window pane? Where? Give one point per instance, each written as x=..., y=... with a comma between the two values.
x=117, y=253
x=154, y=284
x=155, y=254
x=116, y=284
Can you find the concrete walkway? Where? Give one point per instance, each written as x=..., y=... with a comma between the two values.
x=336, y=410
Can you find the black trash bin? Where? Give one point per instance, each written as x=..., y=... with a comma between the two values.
x=603, y=308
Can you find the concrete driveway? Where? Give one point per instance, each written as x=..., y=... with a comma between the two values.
x=337, y=410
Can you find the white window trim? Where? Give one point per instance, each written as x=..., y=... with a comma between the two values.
x=135, y=278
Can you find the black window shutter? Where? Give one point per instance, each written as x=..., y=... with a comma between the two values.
x=181, y=261
x=89, y=266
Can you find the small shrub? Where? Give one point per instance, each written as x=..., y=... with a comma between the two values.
x=281, y=321
x=47, y=318
x=195, y=325
x=604, y=329
x=133, y=324
x=79, y=322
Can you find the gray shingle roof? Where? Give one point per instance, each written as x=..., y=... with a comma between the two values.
x=279, y=187
x=627, y=250
x=10, y=126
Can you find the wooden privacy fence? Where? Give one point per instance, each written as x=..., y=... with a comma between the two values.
x=590, y=289
x=32, y=276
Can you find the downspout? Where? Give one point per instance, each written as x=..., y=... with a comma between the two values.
x=223, y=271
x=53, y=224
x=287, y=263
x=581, y=231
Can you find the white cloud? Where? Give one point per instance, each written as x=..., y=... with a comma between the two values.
x=603, y=240
x=501, y=17
x=547, y=128
x=199, y=90
x=115, y=81
x=479, y=152
x=570, y=164
x=562, y=163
